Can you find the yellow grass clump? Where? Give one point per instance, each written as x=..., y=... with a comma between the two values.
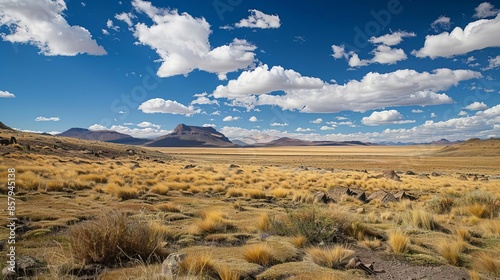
x=450, y=251
x=212, y=222
x=260, y=253
x=330, y=257
x=486, y=263
x=398, y=241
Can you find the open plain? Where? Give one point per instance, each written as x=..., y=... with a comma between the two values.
x=94, y=210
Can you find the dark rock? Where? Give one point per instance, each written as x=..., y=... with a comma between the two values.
x=189, y=166
x=409, y=172
x=404, y=195
x=392, y=175
x=321, y=197
x=233, y=166
x=462, y=177
x=382, y=196
x=435, y=174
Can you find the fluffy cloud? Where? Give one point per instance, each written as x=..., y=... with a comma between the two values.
x=6, y=94
x=374, y=91
x=148, y=124
x=300, y=129
x=142, y=132
x=126, y=17
x=441, y=22
x=230, y=119
x=202, y=99
x=41, y=23
x=331, y=127
x=317, y=121
x=383, y=53
x=279, y=124
x=263, y=80
x=159, y=105
x=253, y=119
x=463, y=113
x=476, y=35
x=476, y=106
x=493, y=62
x=392, y=39
x=45, y=119
x=209, y=125
x=485, y=10
x=258, y=19
x=182, y=43
x=417, y=111
x=385, y=118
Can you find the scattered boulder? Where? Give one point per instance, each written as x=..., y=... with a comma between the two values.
x=4, y=141
x=337, y=192
x=321, y=197
x=189, y=166
x=136, y=165
x=170, y=266
x=435, y=174
x=382, y=196
x=233, y=166
x=475, y=178
x=404, y=195
x=392, y=175
x=462, y=177
x=424, y=176
x=409, y=172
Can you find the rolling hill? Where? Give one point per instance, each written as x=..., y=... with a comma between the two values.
x=102, y=135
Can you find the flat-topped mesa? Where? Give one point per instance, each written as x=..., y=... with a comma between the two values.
x=192, y=136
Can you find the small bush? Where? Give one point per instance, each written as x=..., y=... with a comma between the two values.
x=450, y=251
x=111, y=238
x=398, y=241
x=264, y=224
x=260, y=254
x=330, y=257
x=441, y=205
x=212, y=222
x=314, y=224
x=484, y=262
x=421, y=219
x=168, y=207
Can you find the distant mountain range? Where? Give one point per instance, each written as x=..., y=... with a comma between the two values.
x=103, y=135
x=197, y=136
x=286, y=141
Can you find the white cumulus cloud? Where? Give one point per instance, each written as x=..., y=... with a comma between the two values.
x=485, y=10
x=148, y=124
x=263, y=80
x=41, y=23
x=159, y=105
x=230, y=119
x=385, y=118
x=476, y=35
x=317, y=121
x=138, y=132
x=279, y=124
x=442, y=22
x=258, y=19
x=6, y=94
x=202, y=99
x=392, y=39
x=45, y=119
x=253, y=119
x=476, y=106
x=182, y=42
x=493, y=62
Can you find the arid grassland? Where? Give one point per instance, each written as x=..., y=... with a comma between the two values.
x=92, y=210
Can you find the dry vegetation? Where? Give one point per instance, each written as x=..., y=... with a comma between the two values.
x=252, y=216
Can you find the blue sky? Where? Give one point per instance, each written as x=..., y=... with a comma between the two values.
x=392, y=70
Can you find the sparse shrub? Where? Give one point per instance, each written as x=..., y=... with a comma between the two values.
x=441, y=205
x=450, y=251
x=212, y=222
x=255, y=194
x=299, y=241
x=159, y=189
x=371, y=243
x=484, y=262
x=232, y=192
x=280, y=192
x=126, y=193
x=168, y=207
x=463, y=234
x=111, y=238
x=420, y=219
x=398, y=241
x=490, y=204
x=330, y=257
x=264, y=224
x=202, y=266
x=97, y=178
x=260, y=253
x=316, y=225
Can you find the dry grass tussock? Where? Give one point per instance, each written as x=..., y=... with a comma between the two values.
x=330, y=257
x=113, y=237
x=398, y=241
x=212, y=222
x=260, y=253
